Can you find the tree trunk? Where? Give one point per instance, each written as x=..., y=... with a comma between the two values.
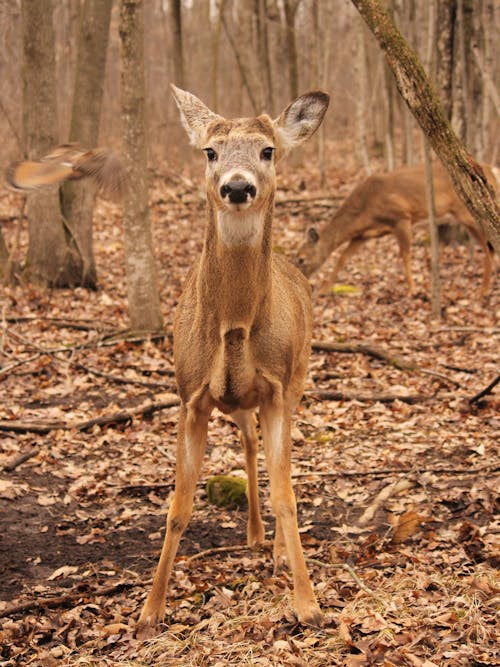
x=78, y=197
x=215, y=54
x=143, y=296
x=52, y=258
x=291, y=7
x=360, y=76
x=445, y=32
x=177, y=50
x=414, y=86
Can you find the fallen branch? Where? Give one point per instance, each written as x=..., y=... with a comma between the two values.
x=21, y=458
x=114, y=418
x=370, y=350
x=231, y=548
x=62, y=600
x=485, y=391
x=326, y=395
x=121, y=380
x=379, y=353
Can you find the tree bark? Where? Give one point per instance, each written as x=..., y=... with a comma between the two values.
x=177, y=50
x=53, y=259
x=143, y=295
x=412, y=83
x=290, y=7
x=78, y=197
x=446, y=19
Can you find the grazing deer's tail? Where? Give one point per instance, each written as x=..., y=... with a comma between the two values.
x=69, y=162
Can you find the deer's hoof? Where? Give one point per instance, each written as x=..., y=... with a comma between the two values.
x=149, y=620
x=310, y=615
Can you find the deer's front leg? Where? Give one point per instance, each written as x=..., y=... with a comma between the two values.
x=191, y=441
x=245, y=420
x=275, y=423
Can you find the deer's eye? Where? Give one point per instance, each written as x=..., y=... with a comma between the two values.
x=211, y=154
x=267, y=153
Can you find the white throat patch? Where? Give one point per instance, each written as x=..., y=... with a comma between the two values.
x=239, y=228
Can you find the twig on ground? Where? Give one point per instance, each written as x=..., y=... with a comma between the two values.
x=120, y=380
x=379, y=353
x=397, y=486
x=67, y=598
x=231, y=548
x=326, y=395
x=349, y=569
x=21, y=458
x=485, y=391
x=114, y=418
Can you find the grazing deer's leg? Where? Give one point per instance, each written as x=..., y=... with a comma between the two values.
x=275, y=423
x=487, y=260
x=351, y=248
x=191, y=441
x=403, y=234
x=245, y=420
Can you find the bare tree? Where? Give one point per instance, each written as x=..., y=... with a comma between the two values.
x=290, y=10
x=466, y=174
x=77, y=197
x=143, y=295
x=53, y=259
x=175, y=7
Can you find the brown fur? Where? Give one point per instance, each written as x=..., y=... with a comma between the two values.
x=242, y=336
x=392, y=203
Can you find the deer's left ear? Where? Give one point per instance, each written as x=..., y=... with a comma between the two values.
x=195, y=115
x=301, y=118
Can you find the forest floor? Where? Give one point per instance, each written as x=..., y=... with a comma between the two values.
x=396, y=479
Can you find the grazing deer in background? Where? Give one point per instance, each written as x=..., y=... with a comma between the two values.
x=242, y=330
x=391, y=203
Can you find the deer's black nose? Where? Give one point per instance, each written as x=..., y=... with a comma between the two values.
x=238, y=191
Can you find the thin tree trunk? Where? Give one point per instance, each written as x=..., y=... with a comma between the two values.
x=50, y=261
x=290, y=7
x=414, y=86
x=241, y=66
x=360, y=74
x=78, y=197
x=266, y=58
x=143, y=295
x=177, y=51
x=215, y=50
x=429, y=184
x=446, y=23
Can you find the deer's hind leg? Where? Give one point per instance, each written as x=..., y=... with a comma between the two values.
x=403, y=233
x=245, y=420
x=487, y=259
x=191, y=440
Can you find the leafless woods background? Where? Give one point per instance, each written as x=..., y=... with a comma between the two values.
x=246, y=56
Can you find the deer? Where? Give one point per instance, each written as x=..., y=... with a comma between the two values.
x=391, y=203
x=242, y=331
x=243, y=324
x=242, y=327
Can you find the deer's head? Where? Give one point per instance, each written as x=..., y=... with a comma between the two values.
x=241, y=157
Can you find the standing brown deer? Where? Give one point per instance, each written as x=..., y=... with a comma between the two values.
x=392, y=203
x=242, y=330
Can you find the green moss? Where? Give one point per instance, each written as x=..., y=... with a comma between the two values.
x=227, y=491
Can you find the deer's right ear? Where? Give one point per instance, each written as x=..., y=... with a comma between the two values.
x=195, y=116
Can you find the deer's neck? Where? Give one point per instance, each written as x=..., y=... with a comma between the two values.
x=234, y=278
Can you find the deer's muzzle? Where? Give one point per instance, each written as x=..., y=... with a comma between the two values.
x=238, y=191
